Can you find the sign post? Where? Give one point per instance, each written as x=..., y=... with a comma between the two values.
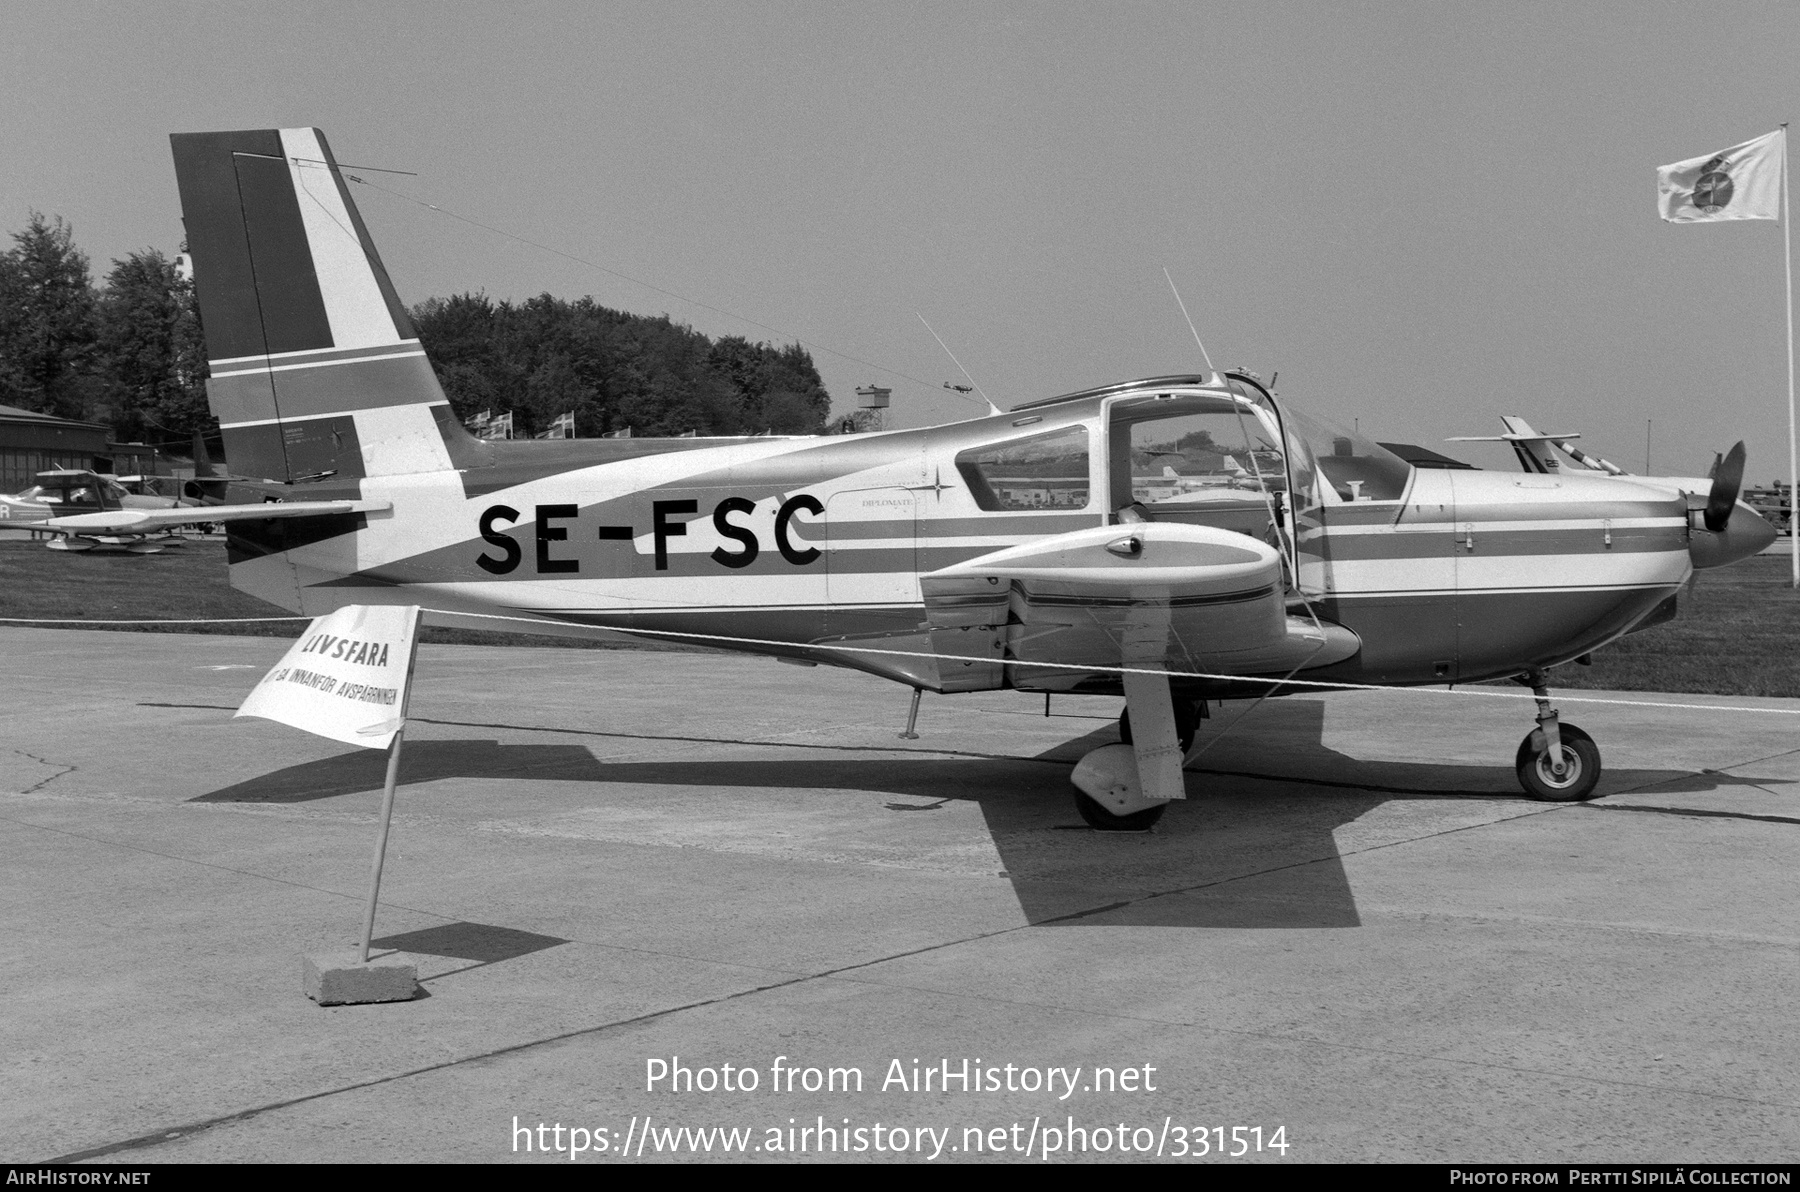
x=349, y=678
x=387, y=817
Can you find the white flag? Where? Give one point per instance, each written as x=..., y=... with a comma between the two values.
x=1742, y=182
x=346, y=678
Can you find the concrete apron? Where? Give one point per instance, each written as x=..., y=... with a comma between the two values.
x=1354, y=928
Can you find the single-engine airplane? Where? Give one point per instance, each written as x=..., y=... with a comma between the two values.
x=1173, y=539
x=83, y=510
x=62, y=493
x=60, y=490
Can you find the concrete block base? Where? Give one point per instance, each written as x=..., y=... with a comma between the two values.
x=338, y=979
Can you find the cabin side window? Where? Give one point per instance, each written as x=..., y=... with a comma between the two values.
x=1206, y=458
x=1047, y=471
x=1183, y=458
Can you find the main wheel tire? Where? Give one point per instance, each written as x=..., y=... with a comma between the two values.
x=1187, y=724
x=1581, y=774
x=1102, y=820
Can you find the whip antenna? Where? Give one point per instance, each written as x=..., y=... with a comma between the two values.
x=1190, y=321
x=992, y=408
x=1291, y=554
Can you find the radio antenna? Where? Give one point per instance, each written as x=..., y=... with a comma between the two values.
x=1290, y=553
x=1190, y=321
x=992, y=408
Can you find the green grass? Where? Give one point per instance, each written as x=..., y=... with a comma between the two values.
x=1738, y=631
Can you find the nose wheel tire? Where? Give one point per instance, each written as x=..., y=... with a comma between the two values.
x=1581, y=767
x=1102, y=820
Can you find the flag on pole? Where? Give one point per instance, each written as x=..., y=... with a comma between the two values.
x=1742, y=182
x=561, y=427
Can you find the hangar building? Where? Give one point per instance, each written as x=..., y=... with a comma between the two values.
x=32, y=443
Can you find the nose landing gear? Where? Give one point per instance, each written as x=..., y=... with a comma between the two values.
x=1556, y=762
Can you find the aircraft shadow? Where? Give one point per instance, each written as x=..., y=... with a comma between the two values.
x=1253, y=845
x=420, y=761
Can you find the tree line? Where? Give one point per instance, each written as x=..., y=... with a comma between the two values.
x=128, y=352
x=547, y=356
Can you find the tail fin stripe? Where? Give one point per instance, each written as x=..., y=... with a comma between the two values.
x=398, y=380
x=309, y=353
x=265, y=369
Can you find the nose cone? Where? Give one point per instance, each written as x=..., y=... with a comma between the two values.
x=1745, y=534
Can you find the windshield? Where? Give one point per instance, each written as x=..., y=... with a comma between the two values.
x=81, y=489
x=1334, y=466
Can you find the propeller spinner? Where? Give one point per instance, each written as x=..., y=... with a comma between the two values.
x=1725, y=533
x=1728, y=478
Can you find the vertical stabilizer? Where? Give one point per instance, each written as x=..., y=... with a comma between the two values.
x=1534, y=450
x=316, y=368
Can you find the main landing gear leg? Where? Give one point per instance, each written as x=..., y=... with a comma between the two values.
x=912, y=717
x=1127, y=787
x=1556, y=762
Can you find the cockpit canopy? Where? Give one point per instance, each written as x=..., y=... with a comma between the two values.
x=74, y=490
x=1176, y=452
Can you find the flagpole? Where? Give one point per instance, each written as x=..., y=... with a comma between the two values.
x=1787, y=257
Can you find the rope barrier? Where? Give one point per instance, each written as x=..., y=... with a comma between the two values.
x=1317, y=684
x=171, y=621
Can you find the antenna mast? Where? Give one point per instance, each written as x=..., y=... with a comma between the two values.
x=992, y=408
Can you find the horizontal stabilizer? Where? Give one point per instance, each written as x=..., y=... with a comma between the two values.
x=155, y=521
x=1531, y=438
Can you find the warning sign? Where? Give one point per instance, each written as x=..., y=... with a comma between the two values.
x=346, y=678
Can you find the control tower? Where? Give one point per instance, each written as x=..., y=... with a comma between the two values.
x=871, y=408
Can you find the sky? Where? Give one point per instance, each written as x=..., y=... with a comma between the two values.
x=1420, y=216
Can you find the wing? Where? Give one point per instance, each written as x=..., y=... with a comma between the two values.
x=1155, y=595
x=1070, y=612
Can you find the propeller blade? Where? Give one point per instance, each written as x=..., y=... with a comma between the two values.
x=1727, y=480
